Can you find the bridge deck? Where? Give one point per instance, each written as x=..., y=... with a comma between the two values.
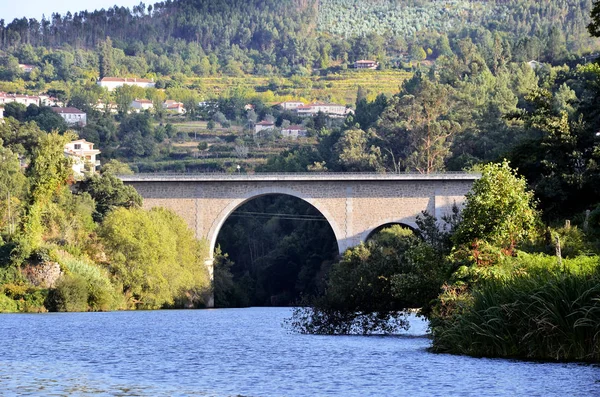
x=326, y=176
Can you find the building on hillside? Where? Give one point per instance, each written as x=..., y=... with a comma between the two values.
x=293, y=131
x=172, y=106
x=101, y=106
x=330, y=109
x=19, y=98
x=365, y=64
x=535, y=65
x=248, y=107
x=290, y=105
x=263, y=125
x=26, y=68
x=111, y=83
x=47, y=100
x=141, y=104
x=73, y=116
x=84, y=157
x=1, y=115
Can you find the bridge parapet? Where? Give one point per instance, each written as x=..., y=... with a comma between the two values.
x=291, y=176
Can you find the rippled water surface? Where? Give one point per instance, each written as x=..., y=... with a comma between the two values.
x=248, y=352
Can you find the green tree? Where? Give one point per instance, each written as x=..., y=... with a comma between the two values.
x=109, y=193
x=155, y=257
x=499, y=210
x=105, y=58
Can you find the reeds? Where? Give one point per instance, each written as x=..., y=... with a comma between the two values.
x=548, y=314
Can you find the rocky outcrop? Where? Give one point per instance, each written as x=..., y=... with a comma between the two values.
x=44, y=274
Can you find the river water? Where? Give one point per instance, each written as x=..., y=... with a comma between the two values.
x=248, y=352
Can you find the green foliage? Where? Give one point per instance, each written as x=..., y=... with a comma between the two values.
x=373, y=284
x=109, y=193
x=153, y=255
x=499, y=209
x=71, y=294
x=548, y=312
x=7, y=305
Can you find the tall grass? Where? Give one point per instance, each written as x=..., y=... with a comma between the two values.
x=546, y=313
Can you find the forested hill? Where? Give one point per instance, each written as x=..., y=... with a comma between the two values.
x=283, y=34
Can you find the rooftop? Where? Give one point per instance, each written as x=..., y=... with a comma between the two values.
x=67, y=110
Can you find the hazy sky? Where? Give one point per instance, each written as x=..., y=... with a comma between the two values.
x=11, y=9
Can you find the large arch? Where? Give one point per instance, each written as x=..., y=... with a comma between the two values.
x=218, y=222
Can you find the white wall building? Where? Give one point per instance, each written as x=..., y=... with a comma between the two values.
x=84, y=156
x=330, y=109
x=365, y=64
x=263, y=125
x=72, y=116
x=111, y=83
x=293, y=131
x=141, y=104
x=291, y=105
x=173, y=106
x=18, y=98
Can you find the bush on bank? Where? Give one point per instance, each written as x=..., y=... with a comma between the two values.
x=540, y=310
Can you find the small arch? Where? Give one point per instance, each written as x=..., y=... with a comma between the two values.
x=217, y=224
x=370, y=233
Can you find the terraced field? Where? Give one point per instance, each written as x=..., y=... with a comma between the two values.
x=340, y=87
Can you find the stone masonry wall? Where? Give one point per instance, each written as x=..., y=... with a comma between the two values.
x=353, y=208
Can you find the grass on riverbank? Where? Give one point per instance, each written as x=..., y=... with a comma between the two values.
x=546, y=313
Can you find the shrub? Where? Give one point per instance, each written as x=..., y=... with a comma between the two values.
x=71, y=294
x=7, y=305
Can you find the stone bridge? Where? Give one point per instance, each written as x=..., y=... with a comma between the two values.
x=354, y=204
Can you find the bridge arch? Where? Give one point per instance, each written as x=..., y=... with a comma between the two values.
x=219, y=221
x=410, y=224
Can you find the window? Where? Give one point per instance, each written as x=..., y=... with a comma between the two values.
x=77, y=146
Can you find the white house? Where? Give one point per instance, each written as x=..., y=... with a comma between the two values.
x=72, y=116
x=141, y=104
x=102, y=106
x=291, y=105
x=47, y=100
x=365, y=64
x=293, y=131
x=263, y=125
x=19, y=98
x=84, y=156
x=330, y=109
x=1, y=114
x=26, y=68
x=173, y=106
x=111, y=83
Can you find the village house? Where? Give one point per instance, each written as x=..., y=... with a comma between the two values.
x=263, y=125
x=141, y=104
x=293, y=131
x=2, y=115
x=26, y=68
x=330, y=109
x=110, y=83
x=290, y=105
x=84, y=157
x=365, y=64
x=18, y=98
x=72, y=116
x=101, y=106
x=173, y=106
x=47, y=100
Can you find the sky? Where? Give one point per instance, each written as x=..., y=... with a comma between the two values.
x=11, y=9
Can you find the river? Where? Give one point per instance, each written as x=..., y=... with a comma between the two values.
x=231, y=352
